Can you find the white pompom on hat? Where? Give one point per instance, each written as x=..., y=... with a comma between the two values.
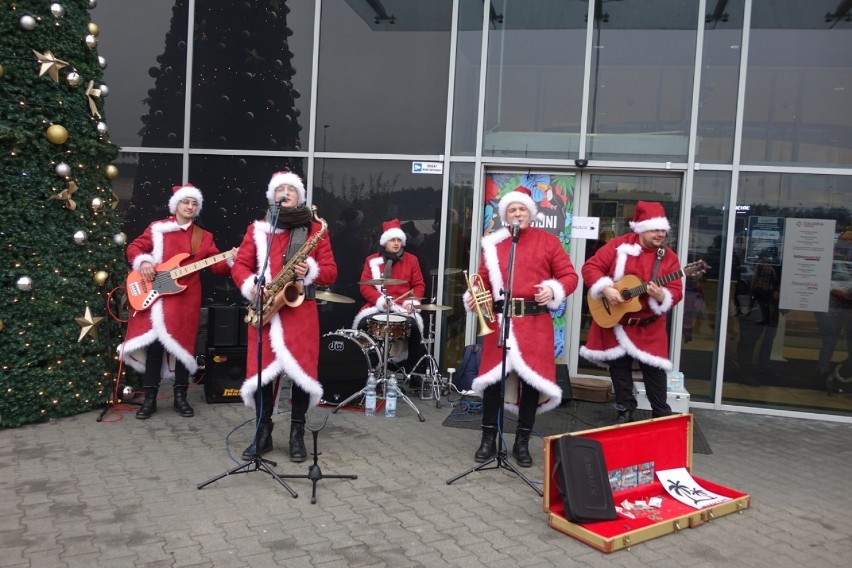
x=649, y=216
x=285, y=178
x=392, y=230
x=183, y=192
x=520, y=195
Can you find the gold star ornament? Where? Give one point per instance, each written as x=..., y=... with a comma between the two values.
x=49, y=64
x=91, y=94
x=88, y=325
x=65, y=195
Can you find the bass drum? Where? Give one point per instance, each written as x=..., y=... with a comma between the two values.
x=345, y=358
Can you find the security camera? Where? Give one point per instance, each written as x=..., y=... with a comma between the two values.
x=581, y=163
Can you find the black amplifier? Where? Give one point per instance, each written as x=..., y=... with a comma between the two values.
x=225, y=373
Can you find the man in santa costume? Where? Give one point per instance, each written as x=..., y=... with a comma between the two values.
x=402, y=299
x=543, y=277
x=170, y=325
x=639, y=336
x=290, y=343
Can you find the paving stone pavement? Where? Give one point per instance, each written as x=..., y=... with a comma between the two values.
x=123, y=492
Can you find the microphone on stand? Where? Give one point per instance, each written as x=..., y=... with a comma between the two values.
x=516, y=230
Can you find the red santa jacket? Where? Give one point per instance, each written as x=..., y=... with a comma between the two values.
x=291, y=338
x=540, y=259
x=408, y=269
x=173, y=319
x=649, y=343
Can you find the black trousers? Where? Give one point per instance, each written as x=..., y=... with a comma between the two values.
x=154, y=363
x=299, y=402
x=621, y=372
x=526, y=409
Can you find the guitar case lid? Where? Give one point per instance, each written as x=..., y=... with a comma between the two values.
x=583, y=481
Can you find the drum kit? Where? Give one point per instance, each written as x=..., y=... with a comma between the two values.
x=348, y=355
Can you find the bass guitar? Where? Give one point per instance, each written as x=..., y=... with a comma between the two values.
x=142, y=293
x=630, y=288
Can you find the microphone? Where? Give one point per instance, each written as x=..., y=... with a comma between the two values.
x=281, y=201
x=516, y=229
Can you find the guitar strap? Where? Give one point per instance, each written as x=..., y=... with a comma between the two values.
x=195, y=241
x=660, y=253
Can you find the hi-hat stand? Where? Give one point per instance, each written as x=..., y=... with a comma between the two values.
x=383, y=378
x=500, y=460
x=314, y=471
x=431, y=382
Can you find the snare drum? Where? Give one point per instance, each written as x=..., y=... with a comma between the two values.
x=346, y=356
x=394, y=326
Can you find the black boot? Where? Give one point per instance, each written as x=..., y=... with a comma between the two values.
x=149, y=405
x=264, y=441
x=521, y=449
x=298, y=453
x=181, y=406
x=488, y=446
x=624, y=416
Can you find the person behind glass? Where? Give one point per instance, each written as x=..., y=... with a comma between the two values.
x=170, y=326
x=291, y=337
x=641, y=335
x=393, y=262
x=543, y=278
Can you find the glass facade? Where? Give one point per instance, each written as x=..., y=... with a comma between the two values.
x=732, y=113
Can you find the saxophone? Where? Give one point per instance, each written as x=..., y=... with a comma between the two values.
x=284, y=290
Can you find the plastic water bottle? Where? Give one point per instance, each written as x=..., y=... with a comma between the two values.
x=370, y=395
x=675, y=381
x=390, y=397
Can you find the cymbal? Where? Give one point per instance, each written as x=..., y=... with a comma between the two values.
x=447, y=271
x=382, y=281
x=433, y=307
x=326, y=296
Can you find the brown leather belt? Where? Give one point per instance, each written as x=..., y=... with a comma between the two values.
x=518, y=308
x=639, y=322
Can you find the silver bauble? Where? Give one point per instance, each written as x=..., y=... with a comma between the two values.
x=102, y=128
x=93, y=4
x=73, y=79
x=120, y=239
x=57, y=10
x=104, y=90
x=127, y=393
x=97, y=203
x=80, y=237
x=91, y=41
x=24, y=283
x=28, y=23
x=63, y=170
x=102, y=61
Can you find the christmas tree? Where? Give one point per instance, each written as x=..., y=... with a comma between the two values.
x=61, y=246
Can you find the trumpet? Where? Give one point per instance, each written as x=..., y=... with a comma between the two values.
x=482, y=299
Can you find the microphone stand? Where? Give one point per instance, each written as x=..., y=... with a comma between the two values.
x=258, y=463
x=500, y=460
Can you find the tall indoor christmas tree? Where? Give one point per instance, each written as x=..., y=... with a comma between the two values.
x=60, y=246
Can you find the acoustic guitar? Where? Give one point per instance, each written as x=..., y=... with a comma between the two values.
x=142, y=293
x=630, y=288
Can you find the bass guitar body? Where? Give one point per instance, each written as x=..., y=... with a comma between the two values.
x=142, y=293
x=605, y=314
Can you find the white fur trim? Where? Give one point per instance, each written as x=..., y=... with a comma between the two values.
x=137, y=262
x=558, y=293
x=288, y=178
x=600, y=358
x=492, y=262
x=313, y=270
x=392, y=234
x=516, y=197
x=636, y=353
x=133, y=350
x=651, y=224
x=660, y=308
x=598, y=287
x=183, y=193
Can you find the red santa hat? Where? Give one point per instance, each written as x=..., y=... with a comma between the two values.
x=649, y=216
x=520, y=195
x=183, y=192
x=285, y=178
x=392, y=230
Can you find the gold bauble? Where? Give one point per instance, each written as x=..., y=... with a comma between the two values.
x=111, y=172
x=93, y=29
x=57, y=134
x=100, y=277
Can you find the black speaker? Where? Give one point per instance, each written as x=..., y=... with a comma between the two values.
x=225, y=373
x=225, y=326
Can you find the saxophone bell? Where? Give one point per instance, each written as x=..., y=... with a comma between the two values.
x=482, y=300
